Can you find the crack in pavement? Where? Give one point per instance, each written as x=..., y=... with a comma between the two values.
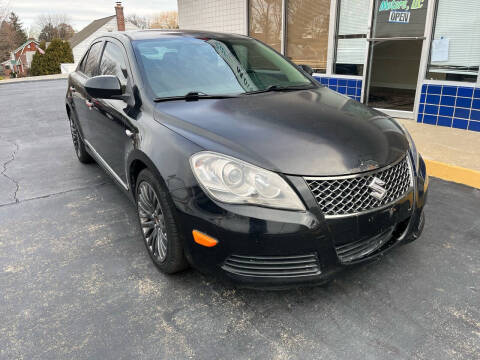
x=57, y=193
x=5, y=165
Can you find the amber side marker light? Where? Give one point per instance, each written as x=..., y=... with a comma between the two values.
x=204, y=240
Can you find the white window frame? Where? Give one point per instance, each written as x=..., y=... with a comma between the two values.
x=333, y=28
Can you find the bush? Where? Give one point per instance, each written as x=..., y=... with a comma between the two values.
x=49, y=63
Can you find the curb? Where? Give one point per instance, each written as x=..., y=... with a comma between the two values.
x=453, y=173
x=33, y=79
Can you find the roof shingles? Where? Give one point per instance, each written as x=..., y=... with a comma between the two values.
x=89, y=30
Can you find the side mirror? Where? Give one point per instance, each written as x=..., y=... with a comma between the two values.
x=104, y=87
x=306, y=68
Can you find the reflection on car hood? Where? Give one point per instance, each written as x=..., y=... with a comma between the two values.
x=309, y=132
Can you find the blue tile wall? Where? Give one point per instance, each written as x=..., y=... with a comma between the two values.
x=349, y=87
x=450, y=106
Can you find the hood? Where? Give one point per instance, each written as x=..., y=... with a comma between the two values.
x=314, y=132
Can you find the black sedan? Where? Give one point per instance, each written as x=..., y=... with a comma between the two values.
x=239, y=162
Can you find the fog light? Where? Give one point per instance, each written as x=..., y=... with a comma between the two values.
x=203, y=239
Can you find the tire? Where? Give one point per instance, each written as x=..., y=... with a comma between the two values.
x=156, y=216
x=78, y=144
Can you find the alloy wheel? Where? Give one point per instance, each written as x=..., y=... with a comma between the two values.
x=75, y=136
x=152, y=221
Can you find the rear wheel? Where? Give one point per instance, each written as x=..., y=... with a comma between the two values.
x=78, y=143
x=159, y=229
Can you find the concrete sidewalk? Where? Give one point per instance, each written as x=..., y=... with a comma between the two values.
x=450, y=154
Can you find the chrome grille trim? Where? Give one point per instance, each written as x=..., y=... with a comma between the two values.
x=273, y=266
x=340, y=196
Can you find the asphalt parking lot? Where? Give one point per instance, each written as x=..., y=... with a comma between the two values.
x=76, y=281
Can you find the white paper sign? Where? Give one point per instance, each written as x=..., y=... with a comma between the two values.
x=440, y=50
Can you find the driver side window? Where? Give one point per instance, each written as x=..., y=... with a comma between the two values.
x=113, y=63
x=91, y=62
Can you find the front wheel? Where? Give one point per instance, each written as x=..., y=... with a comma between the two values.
x=157, y=221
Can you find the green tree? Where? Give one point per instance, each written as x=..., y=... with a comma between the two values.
x=38, y=65
x=49, y=63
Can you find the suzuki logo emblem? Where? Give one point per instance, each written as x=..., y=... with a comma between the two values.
x=379, y=192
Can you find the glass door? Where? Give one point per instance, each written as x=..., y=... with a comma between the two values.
x=395, y=49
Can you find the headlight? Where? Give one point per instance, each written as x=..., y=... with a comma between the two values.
x=234, y=181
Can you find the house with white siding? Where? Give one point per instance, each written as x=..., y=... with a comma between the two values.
x=82, y=39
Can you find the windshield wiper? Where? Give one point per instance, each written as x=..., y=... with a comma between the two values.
x=193, y=96
x=282, y=88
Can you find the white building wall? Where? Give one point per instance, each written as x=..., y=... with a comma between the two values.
x=80, y=49
x=228, y=16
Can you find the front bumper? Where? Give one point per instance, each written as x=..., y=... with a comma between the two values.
x=259, y=247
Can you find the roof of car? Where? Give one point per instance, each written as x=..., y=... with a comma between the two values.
x=156, y=34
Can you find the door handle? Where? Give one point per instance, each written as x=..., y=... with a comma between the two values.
x=89, y=104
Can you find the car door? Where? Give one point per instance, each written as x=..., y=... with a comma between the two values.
x=112, y=129
x=81, y=100
x=76, y=81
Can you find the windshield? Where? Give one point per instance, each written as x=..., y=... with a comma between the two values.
x=175, y=66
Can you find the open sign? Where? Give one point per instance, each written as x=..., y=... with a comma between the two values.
x=399, y=17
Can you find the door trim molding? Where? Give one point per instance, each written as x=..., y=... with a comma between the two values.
x=366, y=66
x=105, y=165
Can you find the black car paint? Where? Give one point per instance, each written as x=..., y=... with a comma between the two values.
x=298, y=133
x=276, y=131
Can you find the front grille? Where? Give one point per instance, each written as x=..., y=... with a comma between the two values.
x=361, y=249
x=273, y=266
x=348, y=195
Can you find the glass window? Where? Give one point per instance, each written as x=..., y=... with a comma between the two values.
x=265, y=22
x=176, y=66
x=81, y=66
x=455, y=51
x=351, y=36
x=113, y=63
x=91, y=64
x=307, y=32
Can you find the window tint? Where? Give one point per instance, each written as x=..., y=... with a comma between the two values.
x=113, y=63
x=91, y=64
x=307, y=32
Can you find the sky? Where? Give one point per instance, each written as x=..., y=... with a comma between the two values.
x=82, y=12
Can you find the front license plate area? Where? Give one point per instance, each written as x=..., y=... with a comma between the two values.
x=359, y=227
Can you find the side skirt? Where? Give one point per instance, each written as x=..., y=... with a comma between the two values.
x=105, y=165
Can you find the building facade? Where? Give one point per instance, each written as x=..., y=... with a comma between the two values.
x=20, y=59
x=415, y=59
x=82, y=39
